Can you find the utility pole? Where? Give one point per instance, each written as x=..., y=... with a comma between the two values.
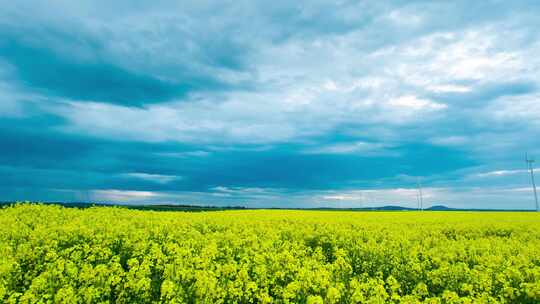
x=530, y=162
x=420, y=196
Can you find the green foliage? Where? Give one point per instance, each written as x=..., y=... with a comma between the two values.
x=51, y=254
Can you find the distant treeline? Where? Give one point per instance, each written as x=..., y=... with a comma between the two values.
x=190, y=208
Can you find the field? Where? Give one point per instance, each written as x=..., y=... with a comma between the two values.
x=114, y=255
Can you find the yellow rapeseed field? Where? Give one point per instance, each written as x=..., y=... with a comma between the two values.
x=52, y=254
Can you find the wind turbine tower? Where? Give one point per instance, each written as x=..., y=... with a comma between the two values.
x=530, y=163
x=420, y=196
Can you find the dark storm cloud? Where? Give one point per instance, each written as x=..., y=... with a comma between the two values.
x=57, y=75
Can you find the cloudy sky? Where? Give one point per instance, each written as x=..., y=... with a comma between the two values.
x=270, y=103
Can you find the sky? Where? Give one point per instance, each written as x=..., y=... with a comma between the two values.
x=270, y=103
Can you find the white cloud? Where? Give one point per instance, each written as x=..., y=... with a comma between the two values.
x=502, y=173
x=330, y=85
x=404, y=18
x=415, y=103
x=360, y=148
x=156, y=178
x=499, y=173
x=448, y=88
x=338, y=197
x=114, y=195
x=521, y=109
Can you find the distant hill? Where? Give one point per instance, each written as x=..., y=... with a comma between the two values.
x=440, y=208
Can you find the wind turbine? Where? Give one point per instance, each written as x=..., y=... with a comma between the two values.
x=417, y=201
x=420, y=196
x=530, y=162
